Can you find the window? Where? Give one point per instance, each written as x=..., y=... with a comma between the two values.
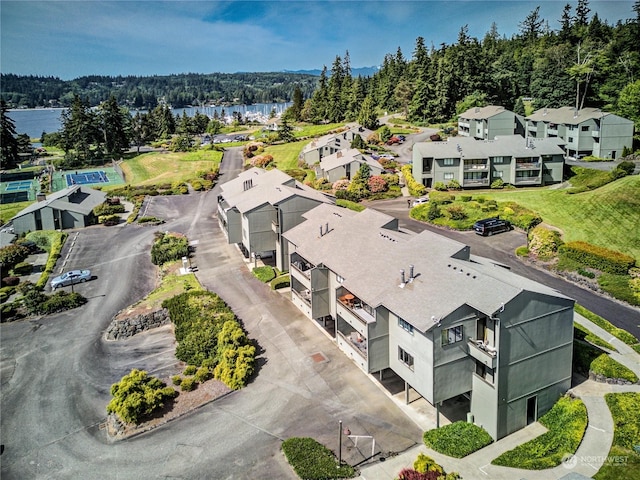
x=570, y=140
x=498, y=159
x=452, y=335
x=497, y=174
x=405, y=358
x=405, y=325
x=448, y=176
x=448, y=161
x=585, y=128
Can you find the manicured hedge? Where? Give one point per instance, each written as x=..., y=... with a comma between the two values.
x=264, y=274
x=544, y=242
x=57, y=242
x=597, y=257
x=582, y=333
x=457, y=439
x=169, y=247
x=313, y=461
x=416, y=189
x=281, y=282
x=566, y=421
x=350, y=205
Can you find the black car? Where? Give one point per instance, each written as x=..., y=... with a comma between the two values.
x=489, y=226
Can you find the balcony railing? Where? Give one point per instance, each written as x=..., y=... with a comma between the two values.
x=304, y=295
x=527, y=165
x=357, y=342
x=528, y=181
x=275, y=226
x=357, y=307
x=475, y=182
x=484, y=353
x=595, y=133
x=471, y=167
x=552, y=131
x=302, y=267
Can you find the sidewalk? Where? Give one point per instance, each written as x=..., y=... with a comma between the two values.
x=588, y=459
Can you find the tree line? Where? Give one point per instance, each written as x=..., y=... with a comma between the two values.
x=27, y=91
x=583, y=62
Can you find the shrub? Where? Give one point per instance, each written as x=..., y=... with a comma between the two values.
x=586, y=273
x=624, y=410
x=424, y=464
x=23, y=268
x=456, y=212
x=441, y=198
x=497, y=184
x=440, y=186
x=188, y=384
x=341, y=184
x=457, y=439
x=109, y=220
x=54, y=253
x=600, y=258
x=190, y=370
x=313, y=461
x=264, y=274
x=543, y=242
x=566, y=421
x=236, y=358
x=377, y=184
x=454, y=185
x=355, y=206
x=176, y=379
x=620, y=287
x=108, y=208
x=465, y=198
x=10, y=281
x=415, y=189
x=433, y=212
x=522, y=251
x=202, y=375
x=11, y=255
x=150, y=220
x=169, y=247
x=410, y=474
x=138, y=395
x=282, y=281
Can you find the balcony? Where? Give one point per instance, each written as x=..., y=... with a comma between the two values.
x=595, y=133
x=475, y=167
x=527, y=165
x=552, y=131
x=484, y=353
x=475, y=182
x=301, y=265
x=357, y=307
x=304, y=295
x=528, y=181
x=275, y=226
x=356, y=341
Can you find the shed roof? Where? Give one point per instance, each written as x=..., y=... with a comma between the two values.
x=77, y=198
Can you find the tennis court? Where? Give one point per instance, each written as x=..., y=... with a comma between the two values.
x=18, y=185
x=86, y=178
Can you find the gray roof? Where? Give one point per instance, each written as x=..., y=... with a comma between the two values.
x=265, y=187
x=77, y=198
x=566, y=115
x=7, y=238
x=347, y=155
x=501, y=146
x=369, y=257
x=330, y=139
x=481, y=113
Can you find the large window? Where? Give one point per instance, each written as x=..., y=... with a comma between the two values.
x=448, y=161
x=452, y=335
x=448, y=175
x=405, y=358
x=405, y=325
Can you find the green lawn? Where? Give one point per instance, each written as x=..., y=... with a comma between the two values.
x=155, y=167
x=286, y=155
x=9, y=210
x=608, y=216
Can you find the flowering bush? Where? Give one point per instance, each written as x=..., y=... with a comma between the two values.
x=262, y=161
x=341, y=185
x=377, y=184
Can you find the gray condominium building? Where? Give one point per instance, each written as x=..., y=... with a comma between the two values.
x=452, y=325
x=478, y=163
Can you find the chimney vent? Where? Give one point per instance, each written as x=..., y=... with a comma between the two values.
x=411, y=277
x=321, y=230
x=402, y=279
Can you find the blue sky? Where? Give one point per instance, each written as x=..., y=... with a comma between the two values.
x=74, y=38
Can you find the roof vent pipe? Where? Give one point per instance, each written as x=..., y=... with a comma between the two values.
x=411, y=273
x=326, y=228
x=320, y=230
x=402, y=282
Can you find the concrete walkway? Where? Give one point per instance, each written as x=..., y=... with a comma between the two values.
x=588, y=459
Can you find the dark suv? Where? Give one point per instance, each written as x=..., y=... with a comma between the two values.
x=489, y=226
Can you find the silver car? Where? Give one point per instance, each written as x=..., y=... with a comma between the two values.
x=70, y=278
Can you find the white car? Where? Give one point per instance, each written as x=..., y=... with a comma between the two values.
x=420, y=201
x=70, y=278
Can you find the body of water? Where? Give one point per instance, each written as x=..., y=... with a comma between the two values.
x=35, y=121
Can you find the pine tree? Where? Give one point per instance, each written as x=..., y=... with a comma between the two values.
x=8, y=141
x=79, y=132
x=367, y=117
x=114, y=123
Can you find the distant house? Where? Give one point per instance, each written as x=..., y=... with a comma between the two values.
x=344, y=164
x=453, y=326
x=68, y=208
x=475, y=163
x=321, y=147
x=588, y=131
x=258, y=206
x=485, y=123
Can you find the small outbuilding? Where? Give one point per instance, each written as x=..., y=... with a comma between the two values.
x=68, y=208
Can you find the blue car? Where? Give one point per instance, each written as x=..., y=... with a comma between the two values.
x=71, y=277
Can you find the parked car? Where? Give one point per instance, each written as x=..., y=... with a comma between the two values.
x=70, y=278
x=32, y=246
x=489, y=226
x=420, y=201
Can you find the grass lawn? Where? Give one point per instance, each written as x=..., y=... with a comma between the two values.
x=9, y=210
x=623, y=461
x=286, y=155
x=155, y=167
x=315, y=130
x=608, y=216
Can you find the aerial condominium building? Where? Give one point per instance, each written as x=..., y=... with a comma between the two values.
x=450, y=324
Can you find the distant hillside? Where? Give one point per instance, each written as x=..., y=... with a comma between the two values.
x=355, y=72
x=21, y=91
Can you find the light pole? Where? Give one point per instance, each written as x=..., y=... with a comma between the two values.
x=340, y=443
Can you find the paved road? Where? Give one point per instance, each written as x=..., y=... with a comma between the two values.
x=501, y=248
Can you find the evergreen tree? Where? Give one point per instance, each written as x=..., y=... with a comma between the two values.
x=285, y=133
x=114, y=123
x=367, y=117
x=531, y=26
x=8, y=140
x=296, y=107
x=582, y=13
x=336, y=108
x=79, y=133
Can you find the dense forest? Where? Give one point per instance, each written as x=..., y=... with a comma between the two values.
x=147, y=92
x=584, y=62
